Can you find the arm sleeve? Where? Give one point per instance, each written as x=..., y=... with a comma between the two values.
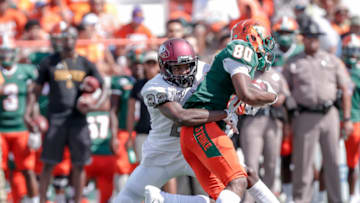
x=232, y=67
x=155, y=96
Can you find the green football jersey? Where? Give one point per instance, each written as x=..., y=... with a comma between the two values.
x=215, y=90
x=100, y=134
x=122, y=86
x=355, y=99
x=13, y=101
x=281, y=57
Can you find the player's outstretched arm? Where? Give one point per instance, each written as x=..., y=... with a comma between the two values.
x=190, y=117
x=250, y=94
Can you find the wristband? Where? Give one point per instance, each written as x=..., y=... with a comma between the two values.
x=346, y=119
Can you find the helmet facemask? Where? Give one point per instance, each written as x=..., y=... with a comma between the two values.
x=185, y=80
x=264, y=51
x=8, y=56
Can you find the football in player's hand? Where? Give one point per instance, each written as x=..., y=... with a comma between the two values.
x=85, y=101
x=90, y=84
x=41, y=123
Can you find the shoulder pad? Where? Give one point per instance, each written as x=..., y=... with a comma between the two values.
x=243, y=52
x=156, y=92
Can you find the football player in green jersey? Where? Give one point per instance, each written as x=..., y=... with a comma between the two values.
x=285, y=32
x=351, y=58
x=207, y=149
x=17, y=81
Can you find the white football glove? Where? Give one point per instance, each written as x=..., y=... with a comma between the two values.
x=34, y=141
x=232, y=118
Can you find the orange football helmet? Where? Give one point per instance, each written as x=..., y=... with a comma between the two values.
x=286, y=24
x=351, y=50
x=259, y=37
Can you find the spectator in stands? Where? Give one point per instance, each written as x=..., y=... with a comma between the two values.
x=108, y=22
x=175, y=29
x=49, y=14
x=341, y=21
x=96, y=52
x=12, y=21
x=135, y=31
x=78, y=9
x=32, y=31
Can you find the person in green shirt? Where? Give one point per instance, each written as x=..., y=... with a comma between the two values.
x=351, y=58
x=18, y=79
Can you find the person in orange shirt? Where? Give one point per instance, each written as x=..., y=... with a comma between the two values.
x=96, y=52
x=50, y=14
x=79, y=8
x=108, y=23
x=251, y=9
x=12, y=21
x=135, y=31
x=341, y=21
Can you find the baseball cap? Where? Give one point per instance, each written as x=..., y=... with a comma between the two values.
x=311, y=29
x=150, y=56
x=137, y=15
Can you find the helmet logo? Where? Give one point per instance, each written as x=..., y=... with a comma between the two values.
x=163, y=52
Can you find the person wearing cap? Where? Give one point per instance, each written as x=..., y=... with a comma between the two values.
x=12, y=21
x=341, y=21
x=134, y=31
x=314, y=76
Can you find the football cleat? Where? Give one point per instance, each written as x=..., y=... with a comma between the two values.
x=153, y=195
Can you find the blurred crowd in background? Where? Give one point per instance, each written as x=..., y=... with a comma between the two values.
x=124, y=49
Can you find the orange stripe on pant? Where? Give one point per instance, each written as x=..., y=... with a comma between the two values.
x=212, y=156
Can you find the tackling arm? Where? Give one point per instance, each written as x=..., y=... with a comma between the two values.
x=190, y=117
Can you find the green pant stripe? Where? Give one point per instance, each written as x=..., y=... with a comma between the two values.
x=206, y=144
